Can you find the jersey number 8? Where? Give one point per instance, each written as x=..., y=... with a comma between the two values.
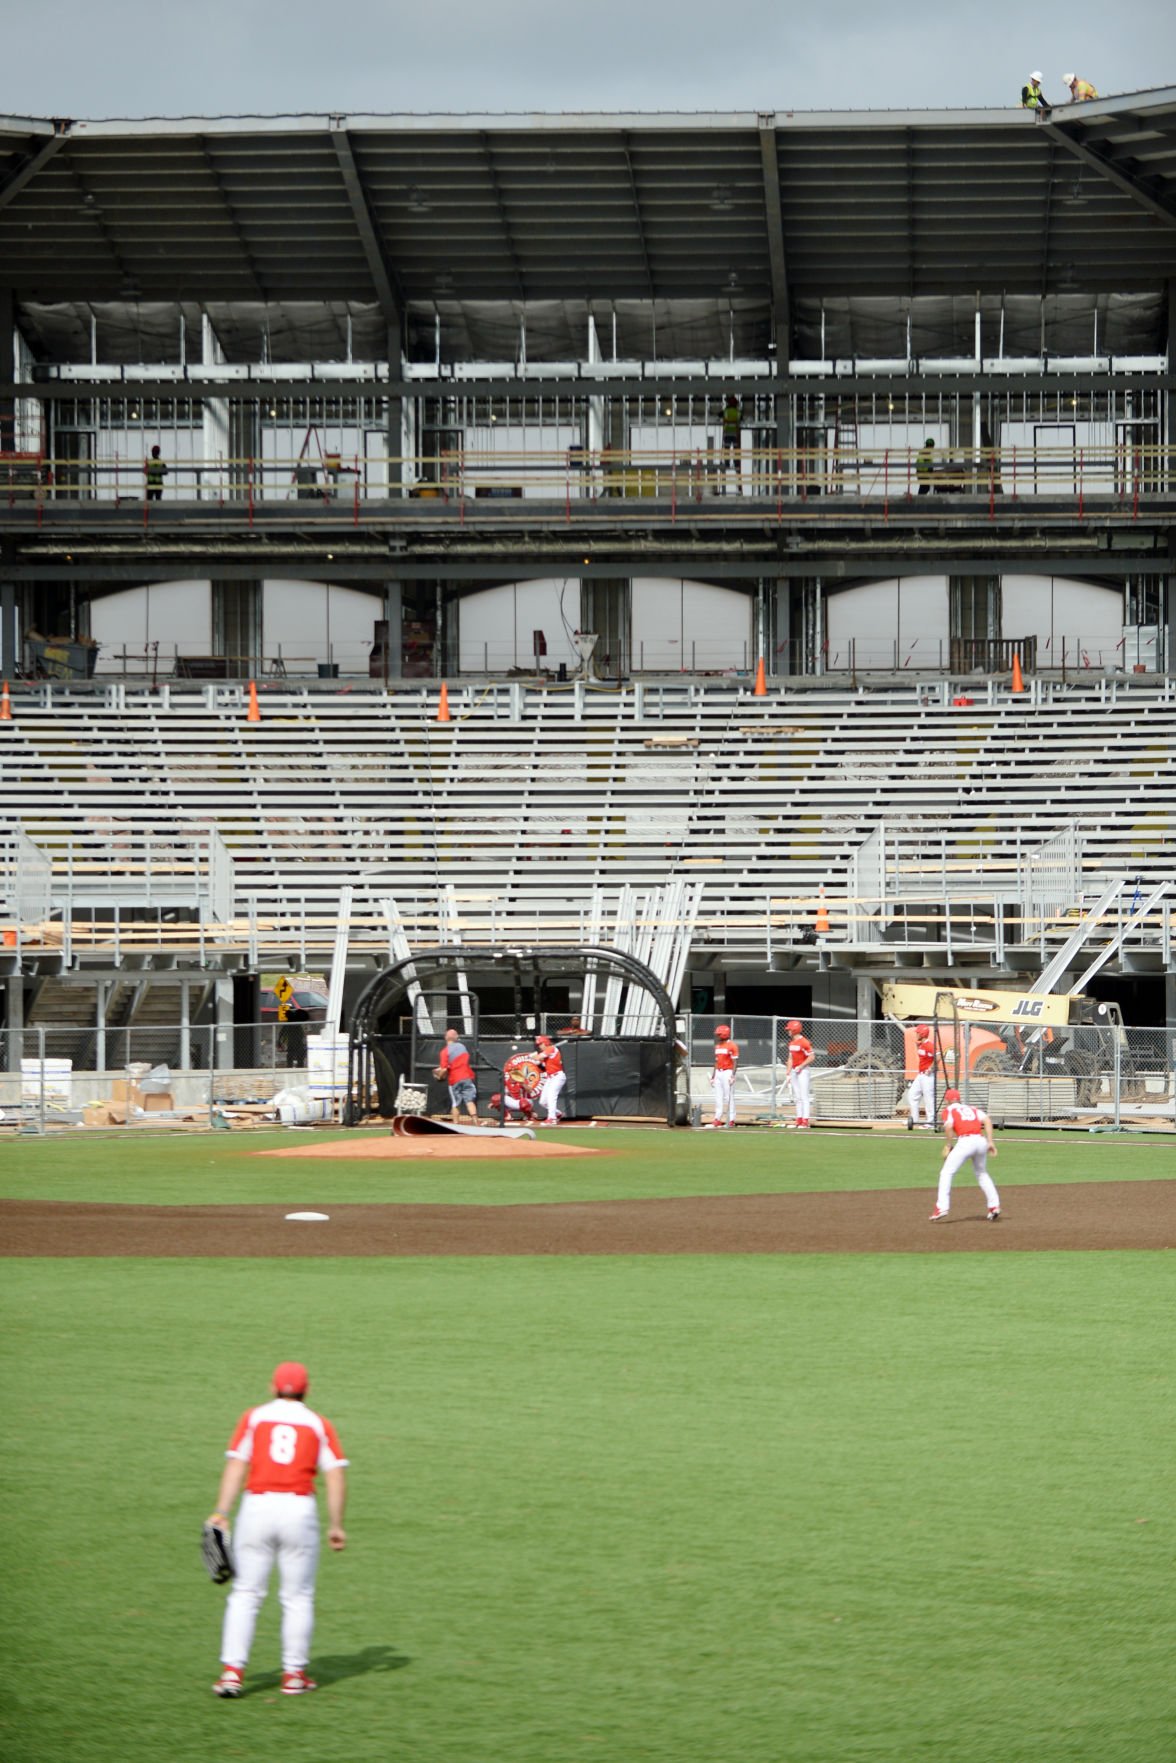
x=283, y=1444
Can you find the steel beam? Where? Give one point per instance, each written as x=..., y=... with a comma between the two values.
x=384, y=279
x=1105, y=164
x=637, y=214
x=835, y=570
x=885, y=385
x=781, y=314
x=36, y=162
x=503, y=217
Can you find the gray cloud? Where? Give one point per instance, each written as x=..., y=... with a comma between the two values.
x=217, y=57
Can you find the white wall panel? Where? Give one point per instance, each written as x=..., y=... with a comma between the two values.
x=176, y=615
x=688, y=625
x=309, y=622
x=496, y=625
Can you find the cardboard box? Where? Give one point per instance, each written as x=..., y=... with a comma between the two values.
x=154, y=1104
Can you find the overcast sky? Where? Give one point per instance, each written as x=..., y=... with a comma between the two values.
x=125, y=58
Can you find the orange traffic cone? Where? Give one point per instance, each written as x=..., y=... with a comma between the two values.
x=761, y=684
x=5, y=705
x=1018, y=682
x=253, y=714
x=822, y=925
x=443, y=703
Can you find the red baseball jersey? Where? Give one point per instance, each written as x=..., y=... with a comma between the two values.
x=285, y=1445
x=726, y=1053
x=455, y=1062
x=800, y=1050
x=926, y=1052
x=552, y=1060
x=965, y=1121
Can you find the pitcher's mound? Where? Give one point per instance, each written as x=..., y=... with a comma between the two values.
x=446, y=1145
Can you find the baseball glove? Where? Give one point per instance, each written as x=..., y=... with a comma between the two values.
x=216, y=1551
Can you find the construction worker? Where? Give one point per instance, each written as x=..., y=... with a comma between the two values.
x=1032, y=96
x=155, y=470
x=925, y=465
x=733, y=441
x=1081, y=91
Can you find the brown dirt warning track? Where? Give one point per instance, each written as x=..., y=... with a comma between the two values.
x=1087, y=1215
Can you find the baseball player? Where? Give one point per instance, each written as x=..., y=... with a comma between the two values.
x=554, y=1079
x=520, y=1081
x=723, y=1076
x=800, y=1061
x=454, y=1065
x=275, y=1454
x=967, y=1133
x=922, y=1090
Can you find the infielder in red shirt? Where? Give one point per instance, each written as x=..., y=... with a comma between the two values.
x=275, y=1454
x=967, y=1134
x=723, y=1076
x=922, y=1088
x=800, y=1061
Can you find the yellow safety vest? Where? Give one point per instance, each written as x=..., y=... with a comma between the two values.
x=1083, y=90
x=1032, y=97
x=732, y=418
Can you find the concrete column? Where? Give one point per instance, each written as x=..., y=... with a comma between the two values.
x=14, y=1021
x=394, y=616
x=9, y=629
x=102, y=993
x=185, y=1025
x=222, y=1040
x=7, y=368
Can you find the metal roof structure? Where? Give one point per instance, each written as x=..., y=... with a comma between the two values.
x=740, y=214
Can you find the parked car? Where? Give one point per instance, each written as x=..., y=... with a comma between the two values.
x=314, y=1003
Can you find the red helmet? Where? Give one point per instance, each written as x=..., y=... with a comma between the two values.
x=543, y=1040
x=794, y=1027
x=951, y=1095
x=922, y=1032
x=722, y=1033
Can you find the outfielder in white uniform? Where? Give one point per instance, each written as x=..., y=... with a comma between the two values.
x=554, y=1079
x=800, y=1062
x=967, y=1134
x=275, y=1453
x=922, y=1090
x=723, y=1077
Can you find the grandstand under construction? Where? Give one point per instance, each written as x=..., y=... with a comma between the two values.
x=421, y=531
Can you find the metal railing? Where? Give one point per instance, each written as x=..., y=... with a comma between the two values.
x=499, y=478
x=1090, y=1076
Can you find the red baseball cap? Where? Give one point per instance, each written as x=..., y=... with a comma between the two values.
x=291, y=1379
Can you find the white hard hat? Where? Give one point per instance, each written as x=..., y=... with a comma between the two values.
x=1069, y=78
x=1037, y=76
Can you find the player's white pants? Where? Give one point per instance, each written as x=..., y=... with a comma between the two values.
x=974, y=1146
x=282, y=1528
x=802, y=1091
x=550, y=1091
x=723, y=1085
x=923, y=1090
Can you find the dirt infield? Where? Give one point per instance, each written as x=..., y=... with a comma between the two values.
x=1104, y=1215
x=443, y=1148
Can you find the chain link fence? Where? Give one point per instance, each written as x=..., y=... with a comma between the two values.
x=862, y=1070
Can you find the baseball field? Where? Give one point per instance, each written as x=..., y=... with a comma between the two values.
x=700, y=1447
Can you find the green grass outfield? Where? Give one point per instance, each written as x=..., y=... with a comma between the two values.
x=203, y=1169
x=871, y=1509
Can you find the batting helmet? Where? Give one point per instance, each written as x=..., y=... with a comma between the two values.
x=722, y=1033
x=543, y=1040
x=951, y=1095
x=794, y=1027
x=922, y=1032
